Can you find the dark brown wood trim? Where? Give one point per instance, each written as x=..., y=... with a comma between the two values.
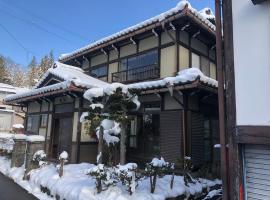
x=79, y=125
x=230, y=99
x=253, y=134
x=221, y=104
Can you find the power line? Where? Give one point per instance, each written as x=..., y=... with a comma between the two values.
x=46, y=20
x=27, y=51
x=36, y=25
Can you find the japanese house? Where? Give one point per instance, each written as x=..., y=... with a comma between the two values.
x=174, y=120
x=9, y=115
x=247, y=90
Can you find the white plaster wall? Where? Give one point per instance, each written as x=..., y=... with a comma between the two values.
x=251, y=32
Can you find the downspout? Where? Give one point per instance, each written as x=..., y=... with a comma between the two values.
x=221, y=105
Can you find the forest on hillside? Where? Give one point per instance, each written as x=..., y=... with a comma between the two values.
x=15, y=74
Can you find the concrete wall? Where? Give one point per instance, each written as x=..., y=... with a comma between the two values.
x=251, y=34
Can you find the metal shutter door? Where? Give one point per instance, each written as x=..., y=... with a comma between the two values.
x=171, y=132
x=197, y=140
x=257, y=172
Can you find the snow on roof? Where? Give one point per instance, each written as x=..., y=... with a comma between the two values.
x=10, y=89
x=178, y=8
x=184, y=76
x=207, y=13
x=50, y=88
x=71, y=73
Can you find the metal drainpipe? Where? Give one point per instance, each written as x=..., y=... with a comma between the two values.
x=221, y=105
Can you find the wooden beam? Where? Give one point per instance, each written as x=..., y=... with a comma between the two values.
x=221, y=104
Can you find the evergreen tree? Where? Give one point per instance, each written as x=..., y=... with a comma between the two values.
x=32, y=74
x=4, y=74
x=46, y=62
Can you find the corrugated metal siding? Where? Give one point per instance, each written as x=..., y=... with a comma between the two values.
x=171, y=134
x=197, y=140
x=257, y=172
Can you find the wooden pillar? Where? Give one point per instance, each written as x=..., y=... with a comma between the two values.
x=79, y=125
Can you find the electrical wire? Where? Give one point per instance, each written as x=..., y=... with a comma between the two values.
x=35, y=25
x=30, y=13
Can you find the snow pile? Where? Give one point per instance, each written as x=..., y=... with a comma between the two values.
x=83, y=116
x=159, y=162
x=17, y=175
x=35, y=138
x=93, y=93
x=18, y=126
x=63, y=156
x=40, y=157
x=184, y=76
x=178, y=8
x=207, y=13
x=76, y=184
x=6, y=142
x=19, y=136
x=111, y=131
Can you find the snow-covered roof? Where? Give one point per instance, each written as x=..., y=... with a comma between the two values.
x=202, y=16
x=69, y=74
x=11, y=89
x=183, y=77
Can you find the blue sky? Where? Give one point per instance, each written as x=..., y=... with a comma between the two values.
x=32, y=27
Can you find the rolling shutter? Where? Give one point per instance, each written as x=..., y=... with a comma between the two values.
x=197, y=139
x=171, y=132
x=257, y=172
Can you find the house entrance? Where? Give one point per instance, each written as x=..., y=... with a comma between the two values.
x=62, y=136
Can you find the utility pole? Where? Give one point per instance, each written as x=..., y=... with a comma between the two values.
x=221, y=104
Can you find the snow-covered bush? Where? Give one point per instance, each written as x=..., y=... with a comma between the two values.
x=187, y=169
x=39, y=158
x=157, y=168
x=6, y=143
x=63, y=158
x=103, y=175
x=127, y=175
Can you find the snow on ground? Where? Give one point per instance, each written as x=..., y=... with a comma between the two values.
x=17, y=174
x=75, y=184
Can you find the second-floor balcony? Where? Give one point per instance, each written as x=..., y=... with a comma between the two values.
x=136, y=74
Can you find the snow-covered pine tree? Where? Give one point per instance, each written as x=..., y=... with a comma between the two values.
x=111, y=103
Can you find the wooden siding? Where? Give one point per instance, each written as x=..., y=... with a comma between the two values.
x=171, y=135
x=197, y=142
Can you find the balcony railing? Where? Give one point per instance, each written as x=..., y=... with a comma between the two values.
x=136, y=74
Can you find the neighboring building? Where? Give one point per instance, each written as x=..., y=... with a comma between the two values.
x=247, y=67
x=9, y=115
x=178, y=116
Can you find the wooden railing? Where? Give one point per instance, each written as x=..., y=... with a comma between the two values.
x=136, y=74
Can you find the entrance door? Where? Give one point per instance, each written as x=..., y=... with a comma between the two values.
x=62, y=136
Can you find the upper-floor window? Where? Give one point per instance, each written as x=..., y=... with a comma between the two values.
x=99, y=71
x=146, y=59
x=138, y=68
